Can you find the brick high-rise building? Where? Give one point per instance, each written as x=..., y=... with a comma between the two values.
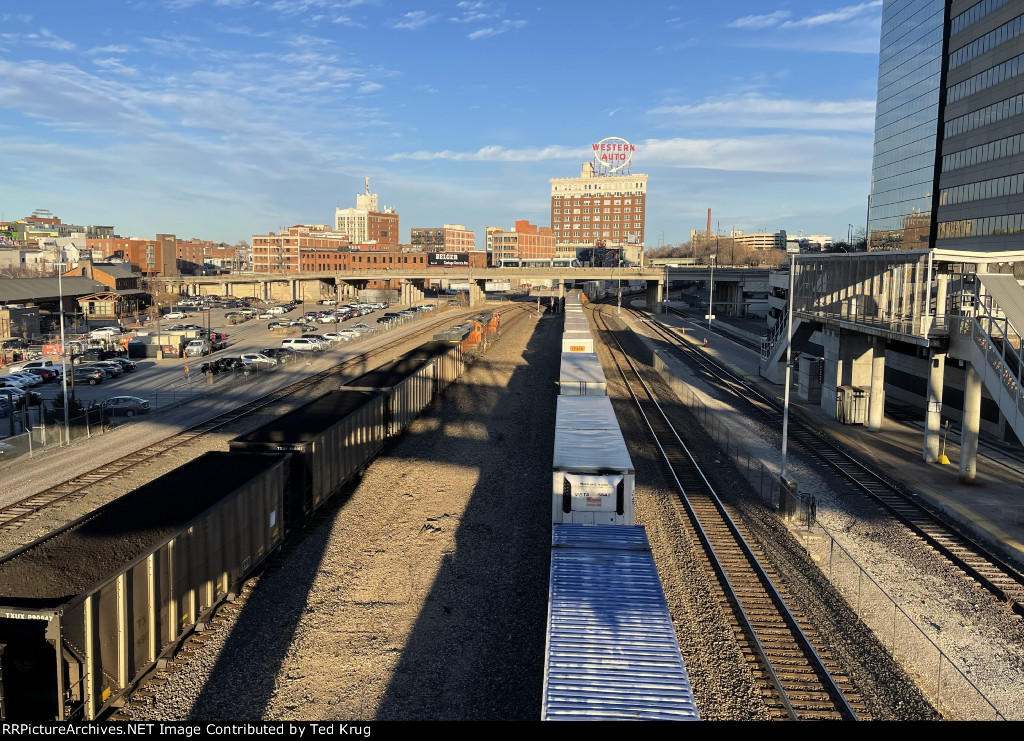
x=597, y=207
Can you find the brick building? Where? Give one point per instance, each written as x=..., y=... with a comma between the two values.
x=156, y=257
x=525, y=241
x=447, y=238
x=596, y=207
x=279, y=253
x=368, y=225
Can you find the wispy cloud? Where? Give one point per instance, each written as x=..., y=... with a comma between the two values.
x=472, y=12
x=497, y=154
x=760, y=21
x=505, y=25
x=756, y=111
x=780, y=18
x=415, y=20
x=837, y=16
x=782, y=153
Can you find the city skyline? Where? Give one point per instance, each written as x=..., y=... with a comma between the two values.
x=221, y=119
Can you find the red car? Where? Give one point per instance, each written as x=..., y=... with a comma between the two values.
x=45, y=373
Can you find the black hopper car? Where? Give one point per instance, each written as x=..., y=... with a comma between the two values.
x=90, y=608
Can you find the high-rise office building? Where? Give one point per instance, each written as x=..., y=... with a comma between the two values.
x=948, y=170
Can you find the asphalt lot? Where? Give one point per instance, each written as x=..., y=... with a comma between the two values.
x=160, y=381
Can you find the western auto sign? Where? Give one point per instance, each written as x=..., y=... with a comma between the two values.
x=614, y=153
x=448, y=259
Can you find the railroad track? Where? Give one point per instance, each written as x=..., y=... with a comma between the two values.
x=990, y=571
x=798, y=680
x=14, y=515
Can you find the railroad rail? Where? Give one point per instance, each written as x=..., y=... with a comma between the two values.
x=798, y=680
x=1001, y=579
x=13, y=515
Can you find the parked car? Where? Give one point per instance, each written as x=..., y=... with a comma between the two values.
x=259, y=359
x=175, y=315
x=47, y=374
x=302, y=344
x=107, y=371
x=21, y=396
x=126, y=365
x=49, y=364
x=280, y=354
x=265, y=315
x=125, y=406
x=30, y=379
x=361, y=328
x=85, y=374
x=12, y=380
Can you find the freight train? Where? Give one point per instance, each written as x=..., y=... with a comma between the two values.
x=611, y=651
x=87, y=610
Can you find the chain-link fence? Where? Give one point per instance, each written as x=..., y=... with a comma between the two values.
x=948, y=688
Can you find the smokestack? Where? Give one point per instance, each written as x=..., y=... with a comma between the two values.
x=709, y=222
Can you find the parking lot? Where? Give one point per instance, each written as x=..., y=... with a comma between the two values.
x=164, y=382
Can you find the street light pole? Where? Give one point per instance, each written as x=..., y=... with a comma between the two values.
x=711, y=293
x=63, y=349
x=789, y=364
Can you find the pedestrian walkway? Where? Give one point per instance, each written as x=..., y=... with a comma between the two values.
x=993, y=507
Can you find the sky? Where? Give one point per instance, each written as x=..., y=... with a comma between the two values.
x=221, y=119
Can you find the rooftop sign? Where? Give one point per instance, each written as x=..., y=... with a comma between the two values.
x=614, y=153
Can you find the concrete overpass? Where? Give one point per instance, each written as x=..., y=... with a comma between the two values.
x=312, y=286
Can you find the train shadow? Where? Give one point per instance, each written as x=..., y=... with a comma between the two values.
x=476, y=650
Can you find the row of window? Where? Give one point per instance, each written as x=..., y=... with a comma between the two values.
x=974, y=14
x=637, y=209
x=1010, y=185
x=989, y=41
x=1007, y=147
x=612, y=233
x=992, y=76
x=596, y=218
x=595, y=202
x=990, y=226
x=617, y=194
x=990, y=114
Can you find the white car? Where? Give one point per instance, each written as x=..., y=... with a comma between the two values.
x=276, y=310
x=30, y=379
x=361, y=328
x=12, y=380
x=258, y=358
x=176, y=315
x=106, y=331
x=265, y=315
x=328, y=319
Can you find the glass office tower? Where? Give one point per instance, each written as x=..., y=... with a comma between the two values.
x=906, y=124
x=948, y=170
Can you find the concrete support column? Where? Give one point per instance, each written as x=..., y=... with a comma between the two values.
x=876, y=401
x=970, y=426
x=561, y=289
x=941, y=291
x=655, y=295
x=223, y=288
x=293, y=286
x=933, y=413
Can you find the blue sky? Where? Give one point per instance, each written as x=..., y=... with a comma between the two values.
x=226, y=118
